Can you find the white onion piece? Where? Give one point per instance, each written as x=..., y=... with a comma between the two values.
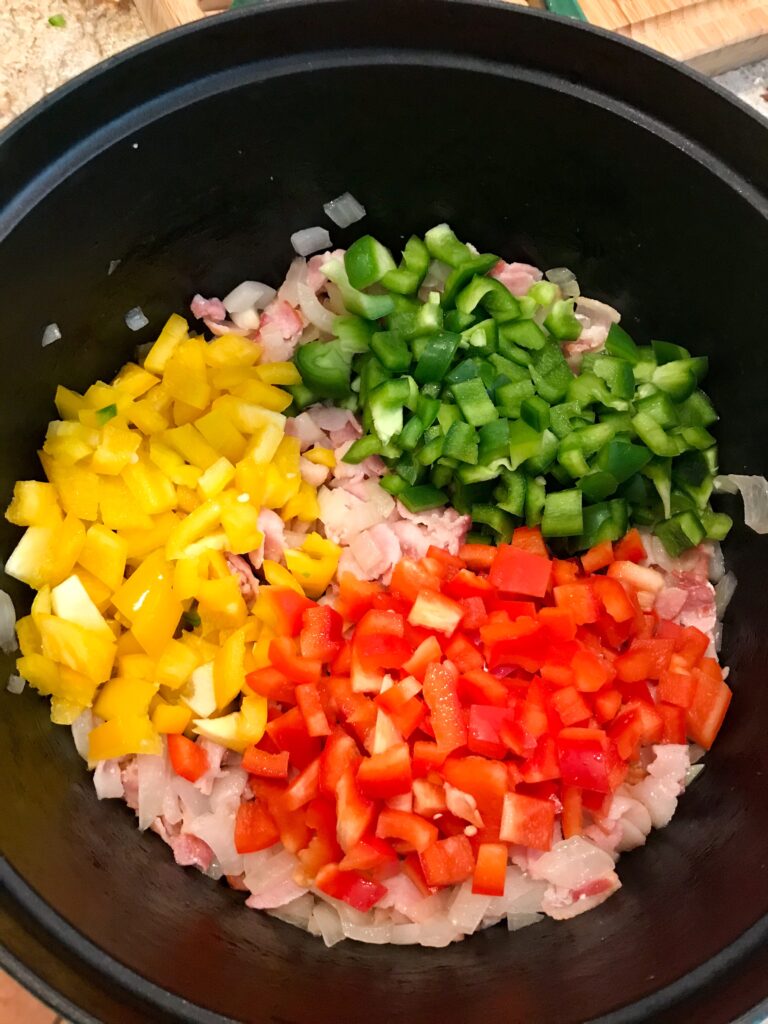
x=288, y=289
x=248, y=320
x=467, y=909
x=716, y=563
x=50, y=334
x=517, y=921
x=598, y=312
x=310, y=240
x=135, y=319
x=436, y=276
x=81, y=728
x=754, y=491
x=7, y=624
x=314, y=310
x=566, y=281
x=724, y=591
x=154, y=776
x=344, y=210
x=327, y=921
x=248, y=294
x=108, y=781
x=15, y=684
x=297, y=912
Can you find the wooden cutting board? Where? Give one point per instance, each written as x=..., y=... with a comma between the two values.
x=711, y=35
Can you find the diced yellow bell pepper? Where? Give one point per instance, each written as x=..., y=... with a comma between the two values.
x=47, y=554
x=99, y=592
x=279, y=487
x=147, y=418
x=204, y=650
x=213, y=542
x=76, y=486
x=29, y=636
x=70, y=601
x=68, y=403
x=186, y=375
x=69, y=442
x=128, y=644
x=174, y=332
x=230, y=350
x=278, y=576
x=159, y=398
x=220, y=603
x=138, y=666
x=122, y=736
x=279, y=373
x=250, y=480
x=247, y=416
x=240, y=520
x=184, y=413
x=34, y=504
x=199, y=693
x=302, y=506
x=41, y=603
x=171, y=718
x=100, y=395
x=222, y=435
x=260, y=652
x=153, y=491
x=239, y=729
x=117, y=507
x=187, y=499
x=186, y=576
x=263, y=394
x=129, y=598
x=176, y=664
x=228, y=377
x=193, y=527
x=189, y=442
x=134, y=380
x=124, y=697
x=116, y=450
x=321, y=457
x=314, y=564
x=229, y=669
x=88, y=653
x=215, y=566
x=103, y=554
x=140, y=543
x=65, y=712
x=40, y=672
x=172, y=464
x=147, y=600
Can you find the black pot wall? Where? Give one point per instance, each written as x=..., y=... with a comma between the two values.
x=192, y=161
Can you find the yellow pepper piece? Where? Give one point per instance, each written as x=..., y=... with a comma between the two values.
x=279, y=487
x=46, y=554
x=314, y=564
x=100, y=395
x=231, y=350
x=247, y=416
x=147, y=418
x=103, y=554
x=68, y=403
x=189, y=442
x=117, y=507
x=220, y=603
x=184, y=413
x=122, y=736
x=321, y=457
x=216, y=477
x=70, y=601
x=86, y=652
x=34, y=504
x=303, y=505
x=76, y=486
x=171, y=718
x=265, y=395
x=120, y=698
x=65, y=712
x=186, y=576
x=147, y=600
x=142, y=542
x=192, y=528
x=260, y=653
x=187, y=499
x=138, y=666
x=229, y=669
x=99, y=592
x=69, y=442
x=29, y=636
x=278, y=576
x=172, y=464
x=222, y=435
x=176, y=664
x=240, y=520
x=250, y=480
x=186, y=375
x=215, y=565
x=117, y=449
x=279, y=373
x=239, y=729
x=174, y=332
x=228, y=377
x=127, y=643
x=133, y=380
x=41, y=603
x=153, y=491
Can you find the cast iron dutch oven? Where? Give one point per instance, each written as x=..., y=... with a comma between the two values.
x=191, y=160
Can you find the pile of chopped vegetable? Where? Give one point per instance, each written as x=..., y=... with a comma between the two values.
x=392, y=603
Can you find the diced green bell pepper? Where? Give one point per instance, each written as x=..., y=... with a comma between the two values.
x=680, y=532
x=599, y=485
x=561, y=321
x=535, y=412
x=661, y=408
x=393, y=483
x=461, y=275
x=489, y=293
x=407, y=278
x=563, y=515
x=370, y=307
x=622, y=459
x=391, y=350
x=411, y=434
x=524, y=443
x=500, y=522
x=362, y=449
x=461, y=443
x=620, y=344
x=510, y=493
x=366, y=261
x=544, y=293
x=535, y=496
x=324, y=369
x=524, y=333
x=652, y=435
x=550, y=373
x=423, y=497
x=666, y=352
x=443, y=245
x=545, y=456
x=435, y=361
x=474, y=402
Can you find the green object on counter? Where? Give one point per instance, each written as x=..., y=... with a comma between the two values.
x=567, y=8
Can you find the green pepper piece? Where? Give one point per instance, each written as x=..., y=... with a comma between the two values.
x=696, y=411
x=561, y=321
x=474, y=402
x=354, y=334
x=391, y=350
x=591, y=439
x=481, y=336
x=386, y=403
x=563, y=515
x=465, y=370
x=661, y=407
x=697, y=437
x=435, y=361
x=423, y=497
x=393, y=483
x=429, y=318
x=367, y=261
x=617, y=374
x=362, y=449
x=659, y=472
x=324, y=369
x=620, y=344
x=550, y=373
x=560, y=417
x=431, y=450
x=524, y=443
x=514, y=353
x=535, y=496
x=443, y=245
x=524, y=333
x=666, y=352
x=456, y=321
x=302, y=396
x=606, y=520
x=680, y=532
x=680, y=377
x=599, y=485
x=408, y=468
x=535, y=412
x=489, y=293
x=543, y=293
x=506, y=368
x=441, y=475
x=587, y=389
x=411, y=434
x=528, y=307
x=461, y=275
x=493, y=441
x=500, y=522
x=644, y=368
x=478, y=474
x=622, y=459
x=370, y=307
x=570, y=455
x=652, y=435
x=407, y=278
x=510, y=493
x=545, y=456
x=717, y=524
x=403, y=316
x=106, y=414
x=461, y=443
x=447, y=415
x=427, y=409
x=510, y=397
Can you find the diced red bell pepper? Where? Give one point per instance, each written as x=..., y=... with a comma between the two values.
x=691, y=645
x=366, y=678
x=516, y=570
x=350, y=887
x=339, y=753
x=409, y=717
x=528, y=538
x=289, y=732
x=427, y=757
x=354, y=812
x=320, y=636
x=626, y=731
x=589, y=760
x=598, y=557
x=514, y=608
x=645, y=659
x=397, y=696
x=543, y=763
x=607, y=704
x=268, y=766
x=487, y=781
x=450, y=564
x=564, y=572
x=187, y=759
x=705, y=715
x=292, y=825
x=468, y=584
x=428, y=798
x=478, y=557
x=473, y=612
x=387, y=774
x=410, y=828
x=484, y=727
x=614, y=598
x=630, y=548
x=559, y=623
x=490, y=875
x=286, y=659
x=357, y=710
x=441, y=695
x=572, y=820
x=322, y=848
x=311, y=707
x=378, y=642
x=590, y=672
x=673, y=718
x=448, y=861
x=433, y=610
x=411, y=577
x=389, y=602
x=342, y=663
x=255, y=828
x=429, y=650
x=579, y=599
x=273, y=685
x=304, y=787
x=288, y=607
x=570, y=706
x=527, y=821
x=463, y=654
x=677, y=684
x=480, y=687
x=411, y=868
x=370, y=853
x=356, y=596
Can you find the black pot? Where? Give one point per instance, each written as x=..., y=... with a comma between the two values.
x=191, y=160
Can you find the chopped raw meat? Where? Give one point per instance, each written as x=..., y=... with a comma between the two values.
x=242, y=568
x=518, y=277
x=273, y=528
x=208, y=309
x=191, y=852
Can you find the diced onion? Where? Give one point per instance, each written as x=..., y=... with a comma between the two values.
x=7, y=624
x=15, y=684
x=247, y=295
x=598, y=312
x=81, y=728
x=517, y=921
x=310, y=240
x=724, y=591
x=436, y=276
x=288, y=289
x=314, y=310
x=566, y=281
x=716, y=563
x=344, y=210
x=135, y=319
x=248, y=320
x=51, y=334
x=754, y=491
